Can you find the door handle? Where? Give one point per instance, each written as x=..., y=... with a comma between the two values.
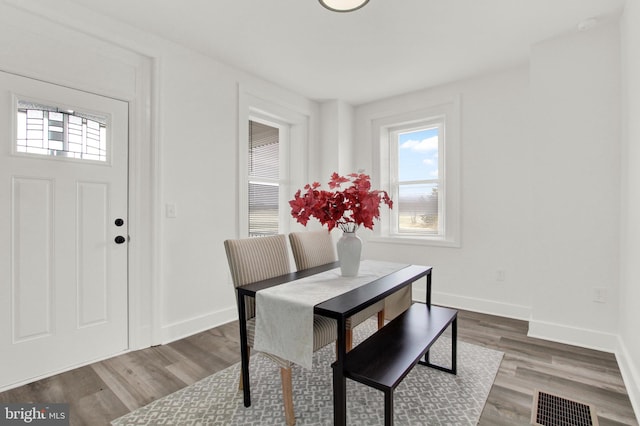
x=120, y=239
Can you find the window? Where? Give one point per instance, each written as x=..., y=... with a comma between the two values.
x=273, y=141
x=264, y=161
x=419, y=165
x=415, y=178
x=51, y=131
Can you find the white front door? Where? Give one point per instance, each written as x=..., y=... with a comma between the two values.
x=63, y=201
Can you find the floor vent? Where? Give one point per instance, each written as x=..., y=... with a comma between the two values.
x=553, y=410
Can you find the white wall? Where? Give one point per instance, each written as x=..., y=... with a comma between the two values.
x=629, y=343
x=540, y=160
x=575, y=95
x=336, y=139
x=496, y=194
x=199, y=131
x=195, y=112
x=198, y=119
x=540, y=197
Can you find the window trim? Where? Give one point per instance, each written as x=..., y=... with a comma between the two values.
x=252, y=105
x=382, y=127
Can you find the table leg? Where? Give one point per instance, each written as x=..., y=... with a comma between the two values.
x=339, y=381
x=244, y=351
x=454, y=345
x=429, y=289
x=388, y=407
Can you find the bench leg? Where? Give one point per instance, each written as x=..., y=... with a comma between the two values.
x=454, y=351
x=388, y=407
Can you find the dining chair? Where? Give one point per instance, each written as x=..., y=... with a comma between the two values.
x=315, y=248
x=259, y=258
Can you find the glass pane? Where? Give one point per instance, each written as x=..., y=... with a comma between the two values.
x=56, y=116
x=55, y=134
x=418, y=155
x=75, y=147
x=58, y=146
x=418, y=208
x=263, y=151
x=35, y=135
x=34, y=113
x=74, y=138
x=45, y=130
x=263, y=209
x=73, y=119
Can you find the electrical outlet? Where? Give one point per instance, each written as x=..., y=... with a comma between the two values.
x=171, y=211
x=600, y=294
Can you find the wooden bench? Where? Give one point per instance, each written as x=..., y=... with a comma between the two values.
x=387, y=356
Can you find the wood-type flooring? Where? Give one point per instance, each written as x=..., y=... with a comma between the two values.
x=103, y=391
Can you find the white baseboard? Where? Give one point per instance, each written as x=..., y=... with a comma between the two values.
x=475, y=304
x=586, y=338
x=182, y=329
x=630, y=374
x=583, y=337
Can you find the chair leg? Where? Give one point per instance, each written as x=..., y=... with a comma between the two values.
x=240, y=387
x=287, y=395
x=380, y=319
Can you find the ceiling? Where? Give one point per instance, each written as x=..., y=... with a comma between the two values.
x=387, y=48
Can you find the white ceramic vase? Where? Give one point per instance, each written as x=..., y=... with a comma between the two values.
x=349, y=248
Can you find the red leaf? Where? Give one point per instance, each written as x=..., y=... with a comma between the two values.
x=357, y=204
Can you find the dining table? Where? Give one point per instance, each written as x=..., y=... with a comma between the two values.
x=339, y=307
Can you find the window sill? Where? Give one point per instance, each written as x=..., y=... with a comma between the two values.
x=417, y=241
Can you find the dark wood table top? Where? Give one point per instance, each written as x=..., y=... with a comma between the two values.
x=346, y=304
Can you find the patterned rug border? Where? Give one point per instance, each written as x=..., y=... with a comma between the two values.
x=426, y=396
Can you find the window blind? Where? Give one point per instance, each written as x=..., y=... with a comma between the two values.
x=264, y=174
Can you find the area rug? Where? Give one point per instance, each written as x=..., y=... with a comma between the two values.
x=425, y=396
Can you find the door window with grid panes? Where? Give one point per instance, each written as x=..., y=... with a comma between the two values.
x=53, y=131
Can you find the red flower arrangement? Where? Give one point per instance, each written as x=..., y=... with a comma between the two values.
x=355, y=205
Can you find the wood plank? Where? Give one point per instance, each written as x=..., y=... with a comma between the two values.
x=109, y=392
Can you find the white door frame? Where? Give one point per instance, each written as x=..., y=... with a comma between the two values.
x=66, y=291
x=144, y=207
x=145, y=224
x=143, y=324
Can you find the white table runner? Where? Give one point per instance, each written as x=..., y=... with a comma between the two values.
x=284, y=314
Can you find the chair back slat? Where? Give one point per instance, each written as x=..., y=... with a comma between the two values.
x=312, y=248
x=256, y=259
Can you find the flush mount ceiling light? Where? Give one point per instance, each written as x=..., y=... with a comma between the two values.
x=343, y=5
